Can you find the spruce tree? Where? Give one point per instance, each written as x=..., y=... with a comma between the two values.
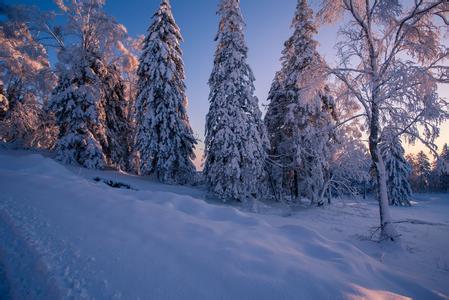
x=78, y=104
x=118, y=127
x=164, y=138
x=88, y=100
x=398, y=172
x=236, y=143
x=423, y=171
x=300, y=114
x=442, y=170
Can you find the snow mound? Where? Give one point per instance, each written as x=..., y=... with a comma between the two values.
x=34, y=164
x=76, y=238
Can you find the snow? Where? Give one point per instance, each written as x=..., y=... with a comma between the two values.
x=64, y=235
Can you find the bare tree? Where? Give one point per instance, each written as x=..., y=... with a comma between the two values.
x=391, y=59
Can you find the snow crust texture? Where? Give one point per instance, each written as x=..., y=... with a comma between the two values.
x=64, y=235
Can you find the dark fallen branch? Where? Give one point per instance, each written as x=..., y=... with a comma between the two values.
x=114, y=184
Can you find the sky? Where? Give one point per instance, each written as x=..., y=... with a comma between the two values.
x=268, y=26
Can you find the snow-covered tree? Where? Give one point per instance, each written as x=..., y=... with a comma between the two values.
x=413, y=178
x=423, y=171
x=300, y=114
x=236, y=143
x=4, y=103
x=78, y=104
x=349, y=165
x=118, y=125
x=442, y=170
x=26, y=80
x=398, y=172
x=164, y=138
x=392, y=57
x=89, y=102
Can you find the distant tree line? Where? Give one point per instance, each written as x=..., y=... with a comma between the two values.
x=427, y=175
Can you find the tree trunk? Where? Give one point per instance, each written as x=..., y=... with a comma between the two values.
x=387, y=229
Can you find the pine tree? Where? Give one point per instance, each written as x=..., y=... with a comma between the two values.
x=423, y=171
x=78, y=104
x=398, y=172
x=88, y=102
x=300, y=114
x=236, y=143
x=118, y=128
x=164, y=137
x=442, y=170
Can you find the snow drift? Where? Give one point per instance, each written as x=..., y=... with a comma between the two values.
x=64, y=235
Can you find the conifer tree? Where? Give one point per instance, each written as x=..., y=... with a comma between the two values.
x=78, y=104
x=300, y=114
x=398, y=172
x=88, y=102
x=442, y=170
x=423, y=171
x=236, y=143
x=118, y=127
x=164, y=137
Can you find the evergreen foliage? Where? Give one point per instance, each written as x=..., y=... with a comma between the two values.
x=442, y=170
x=423, y=171
x=78, y=103
x=398, y=172
x=118, y=127
x=236, y=143
x=300, y=115
x=164, y=138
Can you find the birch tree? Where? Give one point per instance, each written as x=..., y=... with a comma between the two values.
x=391, y=59
x=26, y=82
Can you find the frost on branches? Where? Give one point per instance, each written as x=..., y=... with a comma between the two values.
x=89, y=102
x=90, y=111
x=349, y=166
x=164, y=138
x=4, y=103
x=398, y=172
x=300, y=117
x=236, y=141
x=79, y=110
x=392, y=56
x=26, y=80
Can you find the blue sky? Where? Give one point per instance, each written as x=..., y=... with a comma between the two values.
x=268, y=26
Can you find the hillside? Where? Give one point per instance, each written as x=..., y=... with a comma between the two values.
x=65, y=235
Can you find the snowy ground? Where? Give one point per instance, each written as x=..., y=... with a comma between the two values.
x=64, y=235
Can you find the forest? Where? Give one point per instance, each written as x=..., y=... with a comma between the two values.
x=117, y=102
